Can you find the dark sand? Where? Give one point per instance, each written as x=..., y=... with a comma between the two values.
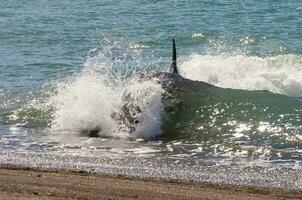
x=26, y=183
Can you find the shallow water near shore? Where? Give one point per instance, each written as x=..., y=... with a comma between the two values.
x=70, y=67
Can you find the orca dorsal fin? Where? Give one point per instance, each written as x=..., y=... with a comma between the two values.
x=173, y=66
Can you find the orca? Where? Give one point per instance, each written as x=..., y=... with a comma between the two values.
x=125, y=117
x=173, y=66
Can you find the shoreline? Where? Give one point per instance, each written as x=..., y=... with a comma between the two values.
x=158, y=169
x=34, y=183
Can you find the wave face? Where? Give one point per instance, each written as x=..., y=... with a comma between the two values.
x=225, y=122
x=280, y=74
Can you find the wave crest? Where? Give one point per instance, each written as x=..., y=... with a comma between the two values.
x=279, y=74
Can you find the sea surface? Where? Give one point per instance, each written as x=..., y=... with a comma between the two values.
x=71, y=68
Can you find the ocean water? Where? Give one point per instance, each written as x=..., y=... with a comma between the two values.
x=70, y=67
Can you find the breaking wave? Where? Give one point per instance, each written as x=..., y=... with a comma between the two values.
x=279, y=74
x=195, y=119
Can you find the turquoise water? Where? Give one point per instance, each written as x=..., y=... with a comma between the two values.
x=65, y=65
x=41, y=39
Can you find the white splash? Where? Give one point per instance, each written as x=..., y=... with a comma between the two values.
x=280, y=74
x=90, y=99
x=84, y=102
x=147, y=96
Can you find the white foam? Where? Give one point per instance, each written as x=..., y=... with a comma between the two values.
x=90, y=98
x=280, y=74
x=83, y=103
x=147, y=95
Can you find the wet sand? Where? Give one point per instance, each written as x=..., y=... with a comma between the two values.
x=28, y=183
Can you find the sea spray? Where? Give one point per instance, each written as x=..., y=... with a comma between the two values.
x=84, y=102
x=90, y=100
